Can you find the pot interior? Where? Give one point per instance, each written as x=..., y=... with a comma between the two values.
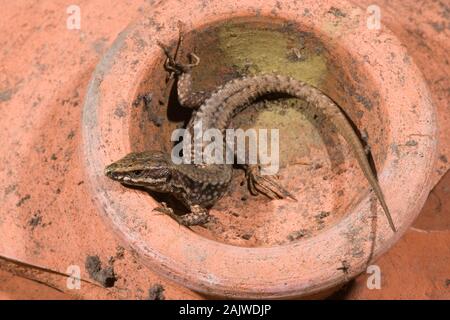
x=315, y=162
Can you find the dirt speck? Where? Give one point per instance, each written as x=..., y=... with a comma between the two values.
x=23, y=200
x=297, y=235
x=10, y=189
x=247, y=235
x=438, y=26
x=5, y=95
x=156, y=292
x=337, y=12
x=120, y=252
x=411, y=143
x=323, y=215
x=71, y=135
x=295, y=55
x=119, y=112
x=365, y=101
x=35, y=220
x=345, y=267
x=104, y=276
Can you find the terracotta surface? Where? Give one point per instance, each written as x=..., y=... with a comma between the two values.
x=49, y=218
x=423, y=30
x=417, y=267
x=370, y=64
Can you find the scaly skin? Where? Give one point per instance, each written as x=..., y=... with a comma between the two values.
x=199, y=187
x=155, y=171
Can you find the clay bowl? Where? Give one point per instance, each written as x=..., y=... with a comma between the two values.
x=258, y=248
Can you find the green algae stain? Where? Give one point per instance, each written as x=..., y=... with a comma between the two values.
x=238, y=48
x=256, y=51
x=293, y=126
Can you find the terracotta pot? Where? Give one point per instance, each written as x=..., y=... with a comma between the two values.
x=339, y=224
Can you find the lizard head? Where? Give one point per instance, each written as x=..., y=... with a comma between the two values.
x=150, y=169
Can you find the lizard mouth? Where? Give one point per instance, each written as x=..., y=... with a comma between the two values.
x=114, y=175
x=117, y=176
x=110, y=172
x=125, y=179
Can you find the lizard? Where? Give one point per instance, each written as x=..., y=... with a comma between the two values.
x=199, y=187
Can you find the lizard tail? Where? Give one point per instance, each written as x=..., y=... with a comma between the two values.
x=319, y=100
x=230, y=98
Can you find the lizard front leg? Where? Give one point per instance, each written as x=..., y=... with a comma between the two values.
x=197, y=216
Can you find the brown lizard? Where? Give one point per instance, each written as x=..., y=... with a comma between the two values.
x=199, y=187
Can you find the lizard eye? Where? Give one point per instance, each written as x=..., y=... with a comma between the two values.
x=137, y=173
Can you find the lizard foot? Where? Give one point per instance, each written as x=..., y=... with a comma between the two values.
x=197, y=216
x=266, y=185
x=173, y=65
x=166, y=210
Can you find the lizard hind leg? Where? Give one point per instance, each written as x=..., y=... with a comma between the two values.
x=258, y=183
x=182, y=71
x=173, y=64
